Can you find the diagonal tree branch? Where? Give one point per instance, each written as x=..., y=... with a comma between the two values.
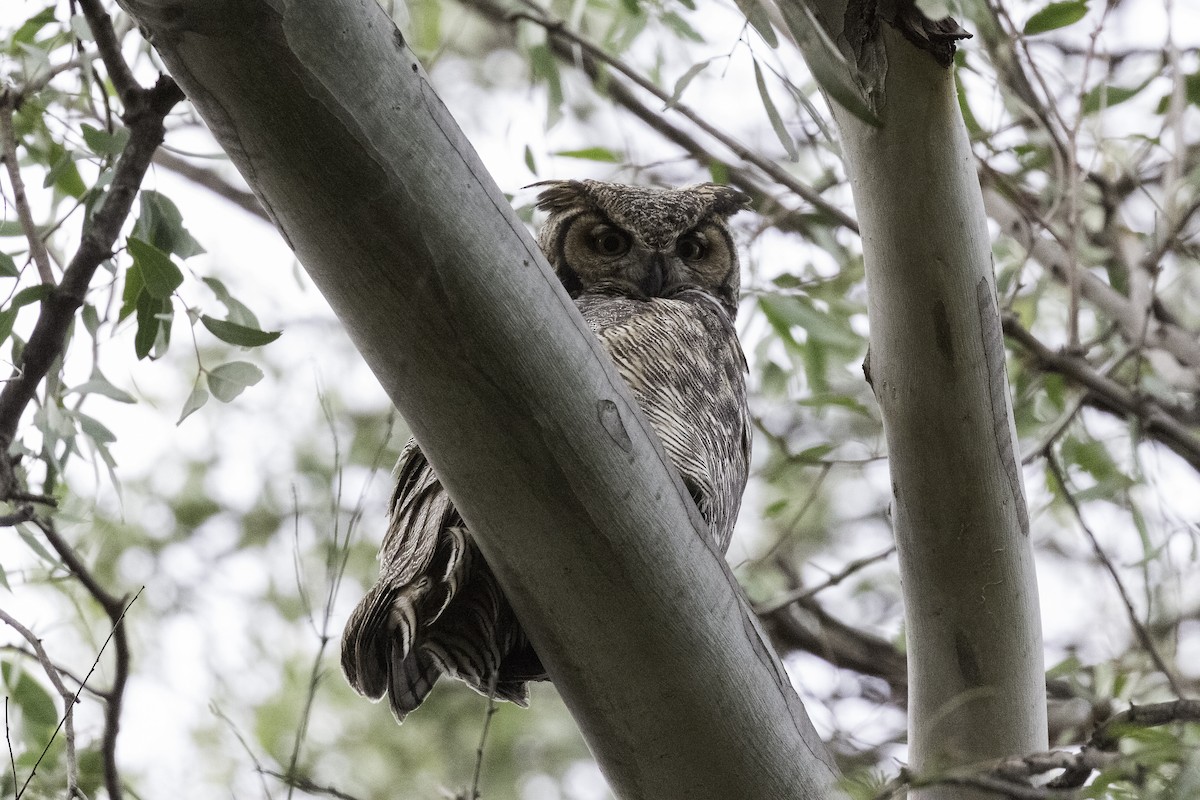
x=1159, y=421
x=454, y=308
x=144, y=115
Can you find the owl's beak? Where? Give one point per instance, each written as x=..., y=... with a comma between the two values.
x=656, y=276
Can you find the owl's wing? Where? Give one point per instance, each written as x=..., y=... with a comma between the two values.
x=436, y=607
x=681, y=358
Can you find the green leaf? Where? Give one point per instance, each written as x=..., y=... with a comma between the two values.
x=813, y=455
x=529, y=162
x=681, y=27
x=601, y=154
x=8, y=318
x=26, y=33
x=103, y=143
x=939, y=9
x=91, y=319
x=826, y=62
x=785, y=138
x=240, y=335
x=544, y=67
x=229, y=380
x=132, y=292
x=35, y=702
x=756, y=15
x=148, y=323
x=238, y=311
x=684, y=80
x=719, y=172
x=81, y=29
x=8, y=267
x=160, y=223
x=31, y=294
x=64, y=175
x=95, y=430
x=1104, y=96
x=159, y=273
x=973, y=126
x=98, y=384
x=195, y=402
x=1055, y=16
x=796, y=311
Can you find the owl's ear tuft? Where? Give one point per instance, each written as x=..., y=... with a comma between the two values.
x=726, y=200
x=559, y=195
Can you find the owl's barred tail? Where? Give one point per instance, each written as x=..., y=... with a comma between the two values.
x=451, y=620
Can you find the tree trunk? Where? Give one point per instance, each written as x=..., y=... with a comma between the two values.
x=595, y=540
x=936, y=364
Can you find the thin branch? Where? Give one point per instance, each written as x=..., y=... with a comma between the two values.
x=804, y=593
x=306, y=785
x=211, y=180
x=12, y=759
x=144, y=114
x=109, y=45
x=8, y=139
x=99, y=694
x=115, y=608
x=805, y=625
x=568, y=46
x=487, y=723
x=1159, y=421
x=1140, y=631
x=69, y=699
x=1108, y=734
x=1184, y=345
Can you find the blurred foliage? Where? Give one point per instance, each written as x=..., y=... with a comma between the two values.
x=238, y=522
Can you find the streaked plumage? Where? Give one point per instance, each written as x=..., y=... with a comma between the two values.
x=655, y=274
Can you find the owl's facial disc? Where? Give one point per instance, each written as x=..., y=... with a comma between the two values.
x=605, y=256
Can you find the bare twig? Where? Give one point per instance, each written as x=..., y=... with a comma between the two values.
x=115, y=608
x=1140, y=631
x=12, y=759
x=306, y=785
x=804, y=593
x=109, y=45
x=567, y=45
x=212, y=181
x=1159, y=421
x=1108, y=734
x=487, y=723
x=99, y=694
x=805, y=625
x=258, y=767
x=1184, y=345
x=69, y=698
x=8, y=139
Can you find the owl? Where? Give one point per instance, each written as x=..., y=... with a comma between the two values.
x=655, y=275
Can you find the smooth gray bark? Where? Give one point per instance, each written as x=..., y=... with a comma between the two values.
x=334, y=124
x=973, y=627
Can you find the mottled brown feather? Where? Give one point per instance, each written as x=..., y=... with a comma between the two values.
x=436, y=607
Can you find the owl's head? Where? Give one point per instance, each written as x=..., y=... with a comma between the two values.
x=642, y=242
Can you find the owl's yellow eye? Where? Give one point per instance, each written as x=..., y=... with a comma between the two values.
x=691, y=247
x=610, y=242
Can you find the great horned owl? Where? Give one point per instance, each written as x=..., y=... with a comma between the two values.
x=655, y=274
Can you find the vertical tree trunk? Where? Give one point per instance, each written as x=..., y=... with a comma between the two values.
x=936, y=364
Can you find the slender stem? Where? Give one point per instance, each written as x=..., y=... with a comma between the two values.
x=1139, y=628
x=69, y=699
x=8, y=139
